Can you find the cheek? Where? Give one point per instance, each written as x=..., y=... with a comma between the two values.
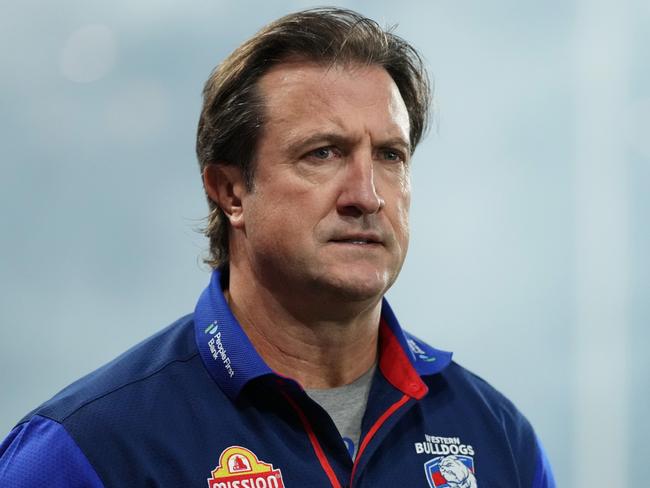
x=277, y=218
x=261, y=216
x=403, y=205
x=402, y=229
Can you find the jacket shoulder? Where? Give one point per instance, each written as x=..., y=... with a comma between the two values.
x=175, y=343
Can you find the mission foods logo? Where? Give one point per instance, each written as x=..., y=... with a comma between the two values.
x=453, y=464
x=240, y=468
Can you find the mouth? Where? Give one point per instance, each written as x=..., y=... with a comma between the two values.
x=354, y=241
x=358, y=240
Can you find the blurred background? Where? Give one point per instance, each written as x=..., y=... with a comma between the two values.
x=530, y=236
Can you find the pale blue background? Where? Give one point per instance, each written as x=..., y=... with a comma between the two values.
x=530, y=199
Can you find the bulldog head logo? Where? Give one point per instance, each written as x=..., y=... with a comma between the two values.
x=451, y=472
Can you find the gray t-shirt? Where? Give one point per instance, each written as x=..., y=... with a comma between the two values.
x=346, y=406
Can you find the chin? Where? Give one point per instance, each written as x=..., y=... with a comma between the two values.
x=355, y=286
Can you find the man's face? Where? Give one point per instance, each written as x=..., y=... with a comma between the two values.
x=329, y=208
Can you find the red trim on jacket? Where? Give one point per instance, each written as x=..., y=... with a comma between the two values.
x=320, y=454
x=396, y=366
x=373, y=430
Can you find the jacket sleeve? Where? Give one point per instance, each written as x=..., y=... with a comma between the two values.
x=543, y=474
x=39, y=453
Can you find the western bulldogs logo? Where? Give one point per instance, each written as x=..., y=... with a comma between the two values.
x=453, y=471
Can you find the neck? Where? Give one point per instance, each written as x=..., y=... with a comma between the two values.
x=317, y=349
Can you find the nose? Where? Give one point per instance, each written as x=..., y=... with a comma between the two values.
x=359, y=195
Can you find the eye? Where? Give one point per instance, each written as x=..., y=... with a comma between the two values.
x=388, y=154
x=324, y=153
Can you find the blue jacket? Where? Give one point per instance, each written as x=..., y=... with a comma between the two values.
x=196, y=406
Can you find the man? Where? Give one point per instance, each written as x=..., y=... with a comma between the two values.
x=293, y=371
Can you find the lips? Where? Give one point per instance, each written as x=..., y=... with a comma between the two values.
x=352, y=241
x=358, y=239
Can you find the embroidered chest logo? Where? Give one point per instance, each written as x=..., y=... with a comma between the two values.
x=240, y=468
x=419, y=352
x=453, y=464
x=217, y=349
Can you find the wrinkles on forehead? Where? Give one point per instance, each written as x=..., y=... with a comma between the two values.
x=301, y=100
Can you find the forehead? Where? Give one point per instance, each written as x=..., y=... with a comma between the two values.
x=300, y=96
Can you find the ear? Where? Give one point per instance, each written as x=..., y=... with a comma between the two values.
x=225, y=186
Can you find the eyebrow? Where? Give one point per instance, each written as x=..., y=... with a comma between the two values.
x=397, y=141
x=340, y=140
x=319, y=138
